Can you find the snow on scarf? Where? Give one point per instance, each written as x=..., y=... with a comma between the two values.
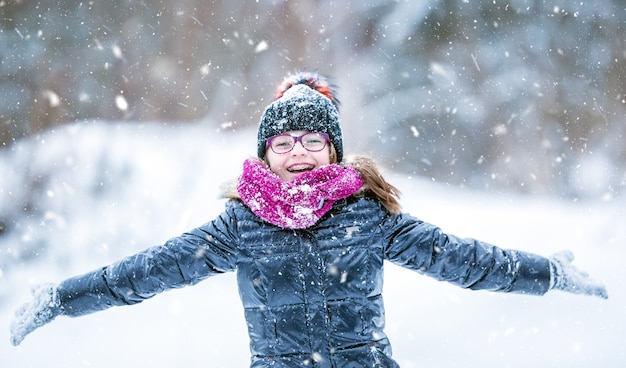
x=300, y=203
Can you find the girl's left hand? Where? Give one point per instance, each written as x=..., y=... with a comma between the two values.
x=566, y=277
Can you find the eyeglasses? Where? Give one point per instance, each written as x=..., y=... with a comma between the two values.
x=283, y=143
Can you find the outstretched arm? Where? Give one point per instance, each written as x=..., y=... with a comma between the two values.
x=473, y=264
x=181, y=261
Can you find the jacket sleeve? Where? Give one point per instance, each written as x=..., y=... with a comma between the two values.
x=468, y=263
x=185, y=260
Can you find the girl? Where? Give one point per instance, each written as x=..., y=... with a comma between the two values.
x=307, y=234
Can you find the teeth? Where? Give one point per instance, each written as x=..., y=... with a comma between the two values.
x=300, y=168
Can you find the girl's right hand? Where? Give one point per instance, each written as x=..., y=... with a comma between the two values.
x=44, y=307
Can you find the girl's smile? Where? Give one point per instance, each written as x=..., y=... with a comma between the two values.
x=299, y=160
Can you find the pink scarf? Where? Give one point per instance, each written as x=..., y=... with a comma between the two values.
x=300, y=203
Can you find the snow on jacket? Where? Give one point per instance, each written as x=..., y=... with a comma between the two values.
x=312, y=297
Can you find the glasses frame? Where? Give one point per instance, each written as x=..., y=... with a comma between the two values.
x=296, y=138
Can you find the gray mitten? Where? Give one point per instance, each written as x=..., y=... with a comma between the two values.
x=44, y=307
x=566, y=277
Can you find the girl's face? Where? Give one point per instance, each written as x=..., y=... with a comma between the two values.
x=291, y=164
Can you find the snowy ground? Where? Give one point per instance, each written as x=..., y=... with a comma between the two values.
x=103, y=191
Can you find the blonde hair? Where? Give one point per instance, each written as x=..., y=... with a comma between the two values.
x=375, y=183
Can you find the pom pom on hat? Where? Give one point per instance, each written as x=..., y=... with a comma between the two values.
x=303, y=101
x=313, y=80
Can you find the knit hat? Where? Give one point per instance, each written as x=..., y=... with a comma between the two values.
x=304, y=101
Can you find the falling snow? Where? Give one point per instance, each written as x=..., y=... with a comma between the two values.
x=111, y=190
x=502, y=121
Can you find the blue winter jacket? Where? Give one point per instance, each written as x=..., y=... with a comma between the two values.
x=312, y=297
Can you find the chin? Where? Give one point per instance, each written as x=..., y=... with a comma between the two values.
x=290, y=177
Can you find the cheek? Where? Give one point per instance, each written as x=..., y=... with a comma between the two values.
x=274, y=163
x=324, y=158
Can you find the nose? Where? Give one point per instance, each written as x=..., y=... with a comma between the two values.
x=298, y=149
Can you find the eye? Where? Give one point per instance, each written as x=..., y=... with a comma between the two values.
x=283, y=142
x=313, y=138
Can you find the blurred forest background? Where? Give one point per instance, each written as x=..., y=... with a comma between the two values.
x=521, y=95
x=105, y=106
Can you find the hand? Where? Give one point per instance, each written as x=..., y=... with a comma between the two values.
x=568, y=278
x=44, y=307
